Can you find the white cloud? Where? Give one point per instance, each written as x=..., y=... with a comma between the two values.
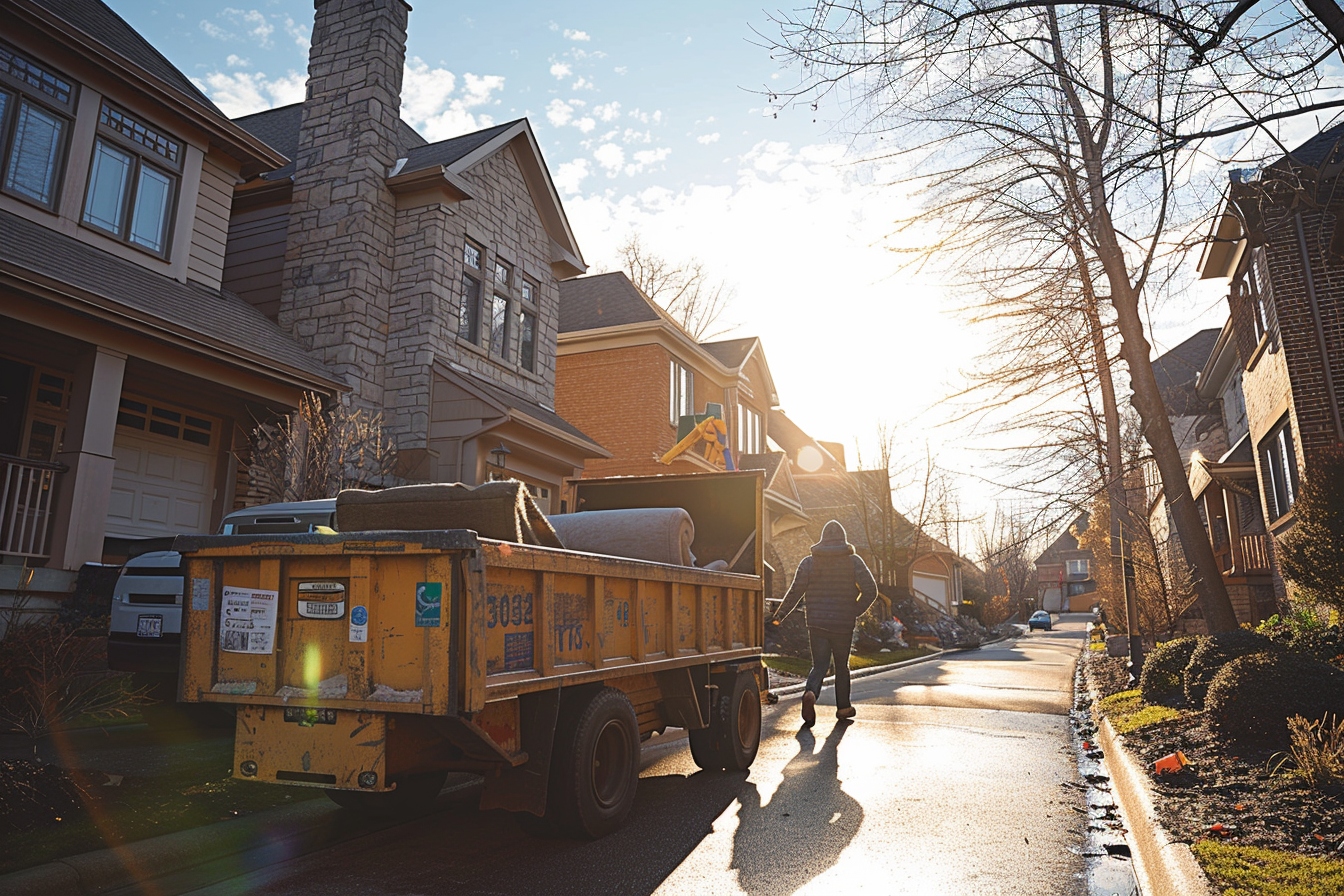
x=633, y=136
x=608, y=111
x=242, y=93
x=559, y=113
x=561, y=70
x=433, y=104
x=654, y=117
x=621, y=69
x=581, y=84
x=707, y=139
x=570, y=175
x=213, y=30
x=686, y=41
x=235, y=61
x=585, y=124
x=647, y=158
x=571, y=34
x=231, y=23
x=611, y=157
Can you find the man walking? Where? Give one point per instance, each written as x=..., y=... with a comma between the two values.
x=838, y=588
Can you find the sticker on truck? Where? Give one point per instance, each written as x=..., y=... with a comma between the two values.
x=428, y=602
x=247, y=620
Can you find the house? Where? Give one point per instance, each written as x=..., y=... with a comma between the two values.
x=1277, y=243
x=1064, y=577
x=425, y=274
x=129, y=376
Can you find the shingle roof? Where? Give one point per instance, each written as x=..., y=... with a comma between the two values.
x=507, y=398
x=603, y=300
x=279, y=129
x=106, y=27
x=446, y=152
x=732, y=352
x=1176, y=371
x=1322, y=148
x=768, y=461
x=1066, y=540
x=218, y=318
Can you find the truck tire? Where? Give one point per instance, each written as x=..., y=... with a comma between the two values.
x=595, y=766
x=733, y=735
x=740, y=718
x=414, y=794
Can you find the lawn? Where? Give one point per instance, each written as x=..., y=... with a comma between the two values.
x=798, y=666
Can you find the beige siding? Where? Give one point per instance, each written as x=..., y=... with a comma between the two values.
x=205, y=264
x=255, y=264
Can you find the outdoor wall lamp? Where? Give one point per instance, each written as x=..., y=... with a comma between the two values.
x=500, y=455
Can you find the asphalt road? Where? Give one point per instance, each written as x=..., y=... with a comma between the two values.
x=956, y=778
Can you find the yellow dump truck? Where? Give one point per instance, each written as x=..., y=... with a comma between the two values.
x=372, y=663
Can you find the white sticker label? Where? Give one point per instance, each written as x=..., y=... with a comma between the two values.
x=321, y=609
x=200, y=595
x=247, y=620
x=359, y=624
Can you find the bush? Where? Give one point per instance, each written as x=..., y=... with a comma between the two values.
x=1163, y=670
x=1322, y=642
x=1211, y=654
x=1252, y=697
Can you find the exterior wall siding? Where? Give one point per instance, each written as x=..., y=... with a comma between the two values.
x=205, y=263
x=254, y=266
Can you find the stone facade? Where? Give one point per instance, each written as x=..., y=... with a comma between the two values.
x=339, y=256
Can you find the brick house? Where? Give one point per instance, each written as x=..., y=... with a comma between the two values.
x=426, y=274
x=129, y=375
x=1277, y=241
x=1064, y=579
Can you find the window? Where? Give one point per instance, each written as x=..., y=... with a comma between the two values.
x=503, y=274
x=1077, y=567
x=499, y=326
x=682, y=393
x=748, y=430
x=469, y=324
x=172, y=423
x=1278, y=470
x=132, y=181
x=1260, y=295
x=471, y=255
x=527, y=326
x=35, y=102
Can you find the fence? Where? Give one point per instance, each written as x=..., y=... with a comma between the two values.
x=26, y=492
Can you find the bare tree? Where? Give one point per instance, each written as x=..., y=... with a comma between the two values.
x=683, y=289
x=319, y=449
x=1007, y=549
x=1048, y=133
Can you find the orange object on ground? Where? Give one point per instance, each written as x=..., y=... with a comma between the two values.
x=1172, y=762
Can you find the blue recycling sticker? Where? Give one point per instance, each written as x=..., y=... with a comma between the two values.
x=359, y=616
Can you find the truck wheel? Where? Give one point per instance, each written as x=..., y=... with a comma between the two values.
x=596, y=765
x=740, y=723
x=414, y=794
x=734, y=732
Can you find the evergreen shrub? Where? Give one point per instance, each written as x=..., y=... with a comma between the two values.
x=1252, y=697
x=1161, y=680
x=1212, y=653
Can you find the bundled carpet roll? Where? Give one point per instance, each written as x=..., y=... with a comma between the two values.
x=499, y=510
x=659, y=534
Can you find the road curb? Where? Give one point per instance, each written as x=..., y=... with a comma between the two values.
x=1164, y=867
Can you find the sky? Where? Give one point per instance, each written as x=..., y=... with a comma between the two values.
x=653, y=120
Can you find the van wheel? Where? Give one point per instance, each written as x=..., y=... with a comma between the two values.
x=595, y=767
x=414, y=794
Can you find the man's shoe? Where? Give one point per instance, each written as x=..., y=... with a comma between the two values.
x=847, y=712
x=809, y=708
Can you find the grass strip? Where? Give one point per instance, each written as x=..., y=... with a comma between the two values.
x=794, y=665
x=1253, y=871
x=1128, y=712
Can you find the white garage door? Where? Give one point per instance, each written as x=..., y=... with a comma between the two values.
x=934, y=587
x=159, y=486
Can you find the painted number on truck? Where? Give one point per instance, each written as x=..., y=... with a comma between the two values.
x=507, y=610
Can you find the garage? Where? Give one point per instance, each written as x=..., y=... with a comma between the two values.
x=933, y=587
x=163, y=480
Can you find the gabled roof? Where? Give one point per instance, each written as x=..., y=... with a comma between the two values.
x=120, y=292
x=1177, y=370
x=92, y=30
x=1066, y=541
x=279, y=128
x=779, y=484
x=513, y=404
x=604, y=300
x=732, y=352
x=791, y=437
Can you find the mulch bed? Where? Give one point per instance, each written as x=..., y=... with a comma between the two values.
x=1278, y=811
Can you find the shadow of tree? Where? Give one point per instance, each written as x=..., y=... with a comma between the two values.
x=804, y=828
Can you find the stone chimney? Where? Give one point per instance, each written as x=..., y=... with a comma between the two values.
x=338, y=258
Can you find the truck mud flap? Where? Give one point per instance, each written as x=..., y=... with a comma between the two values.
x=523, y=788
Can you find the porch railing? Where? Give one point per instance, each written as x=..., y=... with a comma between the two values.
x=26, y=491
x=1255, y=553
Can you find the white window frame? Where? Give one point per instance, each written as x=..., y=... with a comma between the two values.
x=1078, y=567
x=681, y=393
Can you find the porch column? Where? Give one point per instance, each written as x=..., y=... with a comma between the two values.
x=85, y=491
x=1234, y=531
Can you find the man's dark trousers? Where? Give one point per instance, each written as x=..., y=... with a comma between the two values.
x=828, y=648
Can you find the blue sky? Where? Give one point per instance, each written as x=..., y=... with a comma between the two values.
x=653, y=121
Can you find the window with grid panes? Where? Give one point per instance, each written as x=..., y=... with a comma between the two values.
x=499, y=309
x=527, y=326
x=36, y=103
x=1278, y=470
x=132, y=180
x=469, y=320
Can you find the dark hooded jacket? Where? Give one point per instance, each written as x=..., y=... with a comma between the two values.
x=833, y=582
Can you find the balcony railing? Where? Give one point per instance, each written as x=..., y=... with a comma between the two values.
x=1255, y=553
x=26, y=492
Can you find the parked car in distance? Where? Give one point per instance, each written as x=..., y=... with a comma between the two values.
x=145, y=633
x=1039, y=619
